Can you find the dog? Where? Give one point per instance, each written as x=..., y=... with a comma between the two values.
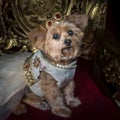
x=49, y=72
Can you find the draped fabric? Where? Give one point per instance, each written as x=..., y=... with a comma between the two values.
x=12, y=82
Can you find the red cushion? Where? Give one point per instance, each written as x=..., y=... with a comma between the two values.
x=95, y=105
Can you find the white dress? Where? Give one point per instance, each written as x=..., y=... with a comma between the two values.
x=13, y=80
x=61, y=73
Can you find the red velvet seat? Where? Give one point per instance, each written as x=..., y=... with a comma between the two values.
x=95, y=105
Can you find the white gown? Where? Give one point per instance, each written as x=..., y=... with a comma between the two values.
x=12, y=82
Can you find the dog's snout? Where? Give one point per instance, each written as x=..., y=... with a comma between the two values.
x=67, y=42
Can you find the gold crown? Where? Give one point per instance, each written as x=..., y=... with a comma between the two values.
x=56, y=17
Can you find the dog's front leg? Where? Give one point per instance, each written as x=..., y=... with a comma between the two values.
x=69, y=95
x=53, y=95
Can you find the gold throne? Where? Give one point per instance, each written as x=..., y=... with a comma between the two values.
x=18, y=17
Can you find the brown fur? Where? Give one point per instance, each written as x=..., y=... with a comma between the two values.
x=60, y=100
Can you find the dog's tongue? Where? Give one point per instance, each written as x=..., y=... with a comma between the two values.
x=66, y=50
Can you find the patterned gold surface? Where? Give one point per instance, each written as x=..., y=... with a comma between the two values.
x=110, y=73
x=108, y=60
x=29, y=77
x=18, y=17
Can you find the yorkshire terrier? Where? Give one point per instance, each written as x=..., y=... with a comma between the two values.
x=50, y=71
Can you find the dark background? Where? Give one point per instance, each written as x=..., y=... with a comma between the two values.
x=113, y=17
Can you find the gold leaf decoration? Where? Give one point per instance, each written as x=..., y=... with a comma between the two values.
x=18, y=17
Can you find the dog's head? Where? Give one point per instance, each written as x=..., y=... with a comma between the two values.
x=61, y=41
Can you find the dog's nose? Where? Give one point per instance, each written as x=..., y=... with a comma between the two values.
x=67, y=42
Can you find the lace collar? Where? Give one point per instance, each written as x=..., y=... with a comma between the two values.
x=68, y=66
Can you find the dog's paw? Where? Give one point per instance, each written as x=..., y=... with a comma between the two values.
x=21, y=109
x=40, y=105
x=44, y=106
x=73, y=102
x=62, y=111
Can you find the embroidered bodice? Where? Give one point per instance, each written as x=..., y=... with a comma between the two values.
x=37, y=63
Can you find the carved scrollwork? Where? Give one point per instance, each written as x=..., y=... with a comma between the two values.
x=18, y=17
x=110, y=73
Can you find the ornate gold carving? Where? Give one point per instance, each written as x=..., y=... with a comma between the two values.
x=97, y=12
x=32, y=13
x=18, y=17
x=111, y=68
x=108, y=62
x=110, y=72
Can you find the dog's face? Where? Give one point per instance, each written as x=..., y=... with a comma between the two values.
x=61, y=42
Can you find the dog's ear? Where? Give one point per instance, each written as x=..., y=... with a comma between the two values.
x=81, y=20
x=37, y=37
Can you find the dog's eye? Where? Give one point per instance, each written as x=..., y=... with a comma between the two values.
x=56, y=36
x=70, y=32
